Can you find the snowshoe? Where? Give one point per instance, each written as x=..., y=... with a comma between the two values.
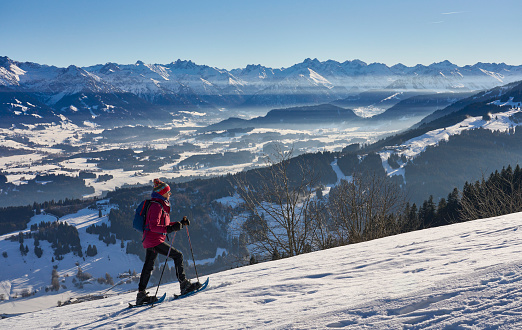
x=186, y=286
x=144, y=298
x=152, y=303
x=200, y=287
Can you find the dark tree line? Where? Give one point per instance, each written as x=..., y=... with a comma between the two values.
x=15, y=218
x=103, y=232
x=499, y=194
x=63, y=237
x=43, y=188
x=463, y=158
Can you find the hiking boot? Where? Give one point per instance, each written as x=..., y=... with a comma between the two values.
x=144, y=298
x=186, y=286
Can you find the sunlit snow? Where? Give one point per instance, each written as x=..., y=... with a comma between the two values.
x=461, y=276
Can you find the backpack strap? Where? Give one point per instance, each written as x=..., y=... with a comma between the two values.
x=146, y=228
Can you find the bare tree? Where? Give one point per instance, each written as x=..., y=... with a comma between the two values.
x=499, y=195
x=366, y=208
x=324, y=231
x=279, y=200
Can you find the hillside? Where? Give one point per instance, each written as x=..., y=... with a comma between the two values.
x=308, y=117
x=434, y=157
x=459, y=276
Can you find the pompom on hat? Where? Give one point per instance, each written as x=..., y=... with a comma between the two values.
x=160, y=187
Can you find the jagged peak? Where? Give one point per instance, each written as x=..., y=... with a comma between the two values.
x=110, y=67
x=183, y=64
x=489, y=65
x=377, y=64
x=355, y=63
x=445, y=63
x=309, y=60
x=5, y=61
x=73, y=68
x=254, y=66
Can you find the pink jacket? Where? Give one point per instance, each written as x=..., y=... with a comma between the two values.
x=158, y=218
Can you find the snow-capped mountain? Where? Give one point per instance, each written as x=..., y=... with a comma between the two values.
x=184, y=85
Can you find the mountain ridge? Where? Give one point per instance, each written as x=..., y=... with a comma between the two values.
x=185, y=85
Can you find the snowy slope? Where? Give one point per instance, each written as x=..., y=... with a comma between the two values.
x=462, y=276
x=19, y=273
x=412, y=148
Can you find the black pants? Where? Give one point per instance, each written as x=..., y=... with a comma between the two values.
x=150, y=257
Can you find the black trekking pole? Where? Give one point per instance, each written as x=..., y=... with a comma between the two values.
x=166, y=259
x=190, y=244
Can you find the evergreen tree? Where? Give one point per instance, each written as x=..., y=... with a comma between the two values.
x=452, y=208
x=22, y=249
x=441, y=214
x=413, y=217
x=427, y=213
x=38, y=251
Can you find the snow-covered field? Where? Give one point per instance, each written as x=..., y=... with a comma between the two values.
x=462, y=276
x=42, y=147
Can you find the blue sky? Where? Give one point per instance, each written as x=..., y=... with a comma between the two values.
x=231, y=34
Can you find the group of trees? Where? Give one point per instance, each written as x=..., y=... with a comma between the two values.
x=288, y=214
x=63, y=237
x=367, y=207
x=284, y=196
x=103, y=233
x=286, y=218
x=14, y=218
x=128, y=160
x=499, y=194
x=91, y=250
x=43, y=188
x=221, y=159
x=461, y=159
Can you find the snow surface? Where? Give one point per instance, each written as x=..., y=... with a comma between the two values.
x=462, y=276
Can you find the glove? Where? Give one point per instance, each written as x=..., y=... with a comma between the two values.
x=173, y=227
x=185, y=221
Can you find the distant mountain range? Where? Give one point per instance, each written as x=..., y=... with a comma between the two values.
x=115, y=93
